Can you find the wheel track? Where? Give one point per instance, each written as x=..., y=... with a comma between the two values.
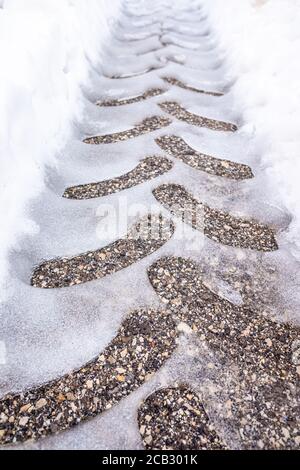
x=84, y=406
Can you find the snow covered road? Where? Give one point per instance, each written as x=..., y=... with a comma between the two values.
x=156, y=277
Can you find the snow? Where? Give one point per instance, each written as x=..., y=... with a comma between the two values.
x=260, y=41
x=70, y=326
x=56, y=69
x=47, y=49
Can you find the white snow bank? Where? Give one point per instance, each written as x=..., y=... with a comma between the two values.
x=46, y=51
x=261, y=40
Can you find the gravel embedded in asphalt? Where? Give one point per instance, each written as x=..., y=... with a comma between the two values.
x=144, y=238
x=176, y=110
x=151, y=124
x=175, y=419
x=147, y=169
x=215, y=224
x=178, y=148
x=264, y=403
x=144, y=342
x=135, y=99
x=180, y=84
